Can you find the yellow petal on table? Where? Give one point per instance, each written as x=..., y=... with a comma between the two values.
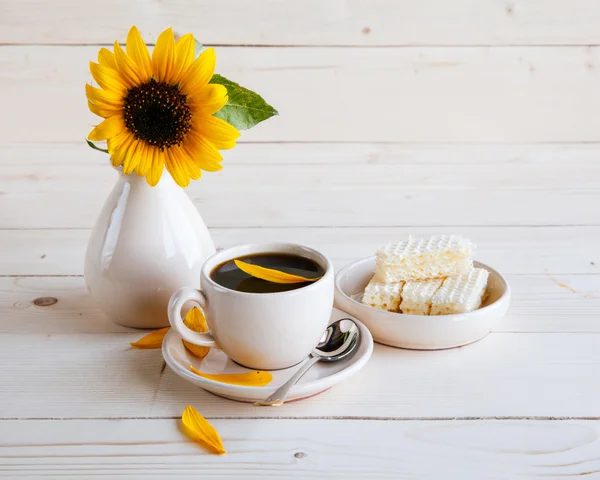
x=198, y=429
x=195, y=321
x=152, y=340
x=271, y=275
x=258, y=378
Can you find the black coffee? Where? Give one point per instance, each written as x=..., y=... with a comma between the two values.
x=230, y=276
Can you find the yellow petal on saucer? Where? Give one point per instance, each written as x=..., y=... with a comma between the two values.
x=152, y=340
x=198, y=429
x=195, y=321
x=258, y=378
x=271, y=275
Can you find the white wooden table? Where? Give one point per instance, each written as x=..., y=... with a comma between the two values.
x=397, y=117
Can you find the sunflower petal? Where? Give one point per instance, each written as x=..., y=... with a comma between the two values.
x=145, y=164
x=156, y=169
x=152, y=340
x=138, y=52
x=188, y=162
x=118, y=147
x=108, y=78
x=204, y=154
x=107, y=59
x=270, y=274
x=128, y=68
x=204, y=162
x=220, y=133
x=208, y=156
x=198, y=429
x=208, y=100
x=199, y=73
x=133, y=155
x=184, y=57
x=176, y=168
x=257, y=378
x=104, y=98
x=195, y=321
x=110, y=127
x=103, y=111
x=163, y=55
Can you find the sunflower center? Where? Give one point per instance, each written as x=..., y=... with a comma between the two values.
x=157, y=113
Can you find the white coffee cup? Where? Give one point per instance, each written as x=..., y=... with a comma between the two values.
x=263, y=331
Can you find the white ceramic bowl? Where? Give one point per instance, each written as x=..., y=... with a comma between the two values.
x=417, y=331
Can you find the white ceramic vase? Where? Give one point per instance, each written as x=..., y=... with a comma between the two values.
x=147, y=243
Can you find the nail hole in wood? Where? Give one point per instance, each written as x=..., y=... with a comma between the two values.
x=299, y=454
x=366, y=30
x=45, y=301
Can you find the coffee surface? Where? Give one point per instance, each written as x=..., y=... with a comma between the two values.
x=230, y=276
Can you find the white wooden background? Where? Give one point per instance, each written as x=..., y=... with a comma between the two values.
x=480, y=117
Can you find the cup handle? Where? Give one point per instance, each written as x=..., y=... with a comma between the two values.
x=179, y=298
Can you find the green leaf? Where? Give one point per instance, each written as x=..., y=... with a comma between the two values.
x=198, y=47
x=245, y=108
x=96, y=147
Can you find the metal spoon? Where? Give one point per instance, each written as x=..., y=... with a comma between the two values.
x=338, y=341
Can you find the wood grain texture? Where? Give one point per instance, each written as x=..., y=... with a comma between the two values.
x=476, y=117
x=553, y=155
x=540, y=303
x=426, y=94
x=311, y=22
x=513, y=250
x=332, y=449
x=504, y=375
x=373, y=195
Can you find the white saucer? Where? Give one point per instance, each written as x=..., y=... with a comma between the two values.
x=318, y=379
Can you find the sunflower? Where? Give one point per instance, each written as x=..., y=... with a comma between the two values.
x=159, y=110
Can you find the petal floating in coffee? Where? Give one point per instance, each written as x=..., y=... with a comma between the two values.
x=195, y=321
x=152, y=340
x=258, y=378
x=198, y=429
x=271, y=275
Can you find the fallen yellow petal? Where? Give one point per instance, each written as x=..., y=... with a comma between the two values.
x=198, y=429
x=271, y=275
x=195, y=321
x=152, y=340
x=258, y=378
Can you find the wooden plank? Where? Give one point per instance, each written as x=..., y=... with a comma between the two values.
x=552, y=155
x=299, y=449
x=541, y=303
x=240, y=177
x=311, y=22
x=331, y=195
x=513, y=250
x=429, y=94
x=504, y=375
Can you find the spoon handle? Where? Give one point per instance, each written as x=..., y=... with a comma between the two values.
x=282, y=392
